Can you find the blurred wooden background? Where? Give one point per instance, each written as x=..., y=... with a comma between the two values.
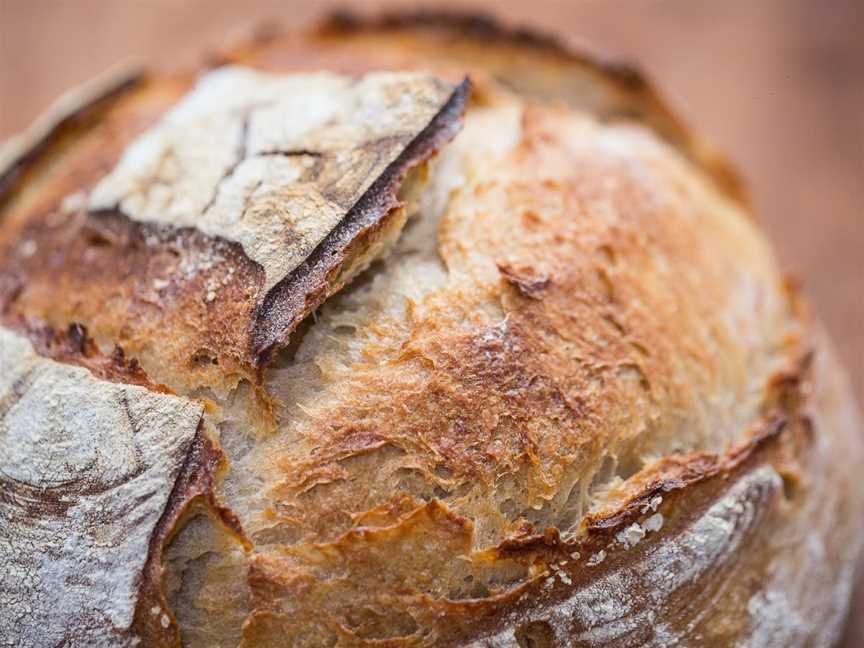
x=779, y=84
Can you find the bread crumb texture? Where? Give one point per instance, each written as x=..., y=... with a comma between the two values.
x=551, y=391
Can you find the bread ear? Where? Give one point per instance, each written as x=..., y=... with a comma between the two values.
x=259, y=216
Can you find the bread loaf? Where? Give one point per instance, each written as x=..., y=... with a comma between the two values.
x=413, y=331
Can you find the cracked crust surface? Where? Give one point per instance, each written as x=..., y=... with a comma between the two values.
x=86, y=469
x=575, y=404
x=270, y=162
x=228, y=242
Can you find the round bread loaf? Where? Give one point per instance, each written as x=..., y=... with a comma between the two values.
x=414, y=331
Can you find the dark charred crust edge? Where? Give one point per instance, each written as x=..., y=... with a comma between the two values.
x=681, y=475
x=307, y=286
x=84, y=106
x=690, y=471
x=193, y=490
x=545, y=596
x=626, y=76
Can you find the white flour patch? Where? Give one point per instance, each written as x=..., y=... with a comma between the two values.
x=273, y=162
x=88, y=466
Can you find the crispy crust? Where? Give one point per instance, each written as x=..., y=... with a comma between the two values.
x=729, y=525
x=323, y=272
x=634, y=86
x=192, y=488
x=752, y=542
x=193, y=491
x=205, y=290
x=69, y=113
x=463, y=389
x=75, y=346
x=86, y=470
x=494, y=46
x=158, y=279
x=735, y=535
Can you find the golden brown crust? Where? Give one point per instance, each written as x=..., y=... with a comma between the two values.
x=75, y=346
x=200, y=294
x=751, y=563
x=72, y=113
x=639, y=99
x=475, y=403
x=577, y=405
x=534, y=63
x=116, y=498
x=722, y=542
x=135, y=283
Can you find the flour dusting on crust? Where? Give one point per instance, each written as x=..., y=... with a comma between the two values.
x=86, y=470
x=613, y=610
x=271, y=162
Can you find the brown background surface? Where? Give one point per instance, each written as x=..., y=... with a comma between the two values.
x=779, y=84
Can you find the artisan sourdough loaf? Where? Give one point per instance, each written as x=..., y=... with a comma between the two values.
x=414, y=331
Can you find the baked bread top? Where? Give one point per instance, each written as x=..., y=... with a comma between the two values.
x=352, y=350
